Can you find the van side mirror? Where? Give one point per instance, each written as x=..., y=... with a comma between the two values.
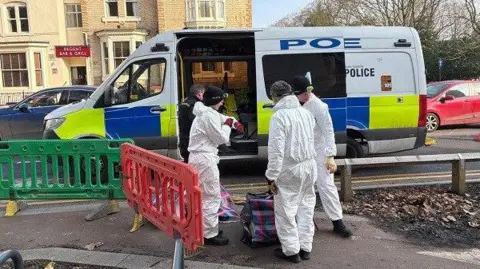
x=24, y=108
x=447, y=98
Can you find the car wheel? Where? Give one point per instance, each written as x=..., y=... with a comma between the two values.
x=433, y=122
x=354, y=149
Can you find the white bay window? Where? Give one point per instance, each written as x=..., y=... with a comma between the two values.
x=206, y=13
x=116, y=47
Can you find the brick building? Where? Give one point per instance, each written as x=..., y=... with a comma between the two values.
x=65, y=42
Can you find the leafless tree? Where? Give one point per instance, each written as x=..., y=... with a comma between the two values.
x=473, y=15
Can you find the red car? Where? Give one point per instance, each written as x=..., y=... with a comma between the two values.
x=452, y=103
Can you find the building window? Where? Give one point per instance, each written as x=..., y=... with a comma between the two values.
x=220, y=9
x=227, y=66
x=206, y=8
x=111, y=7
x=138, y=44
x=18, y=18
x=132, y=8
x=14, y=70
x=105, y=58
x=191, y=11
x=38, y=68
x=208, y=67
x=121, y=50
x=73, y=15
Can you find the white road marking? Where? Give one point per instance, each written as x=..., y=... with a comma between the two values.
x=468, y=256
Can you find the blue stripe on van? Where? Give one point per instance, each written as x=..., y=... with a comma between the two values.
x=358, y=112
x=124, y=122
x=338, y=112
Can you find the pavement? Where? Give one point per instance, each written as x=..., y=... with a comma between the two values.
x=59, y=232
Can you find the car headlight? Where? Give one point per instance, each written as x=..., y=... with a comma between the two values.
x=54, y=123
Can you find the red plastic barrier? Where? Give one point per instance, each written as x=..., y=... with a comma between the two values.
x=164, y=191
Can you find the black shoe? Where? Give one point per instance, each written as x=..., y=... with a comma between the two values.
x=341, y=229
x=218, y=240
x=304, y=255
x=279, y=254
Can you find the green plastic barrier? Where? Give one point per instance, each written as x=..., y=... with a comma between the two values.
x=61, y=169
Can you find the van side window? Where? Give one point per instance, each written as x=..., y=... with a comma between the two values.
x=139, y=81
x=327, y=71
x=459, y=91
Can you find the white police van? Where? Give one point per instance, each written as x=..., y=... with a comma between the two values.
x=372, y=78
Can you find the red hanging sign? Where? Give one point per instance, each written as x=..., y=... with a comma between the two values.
x=72, y=51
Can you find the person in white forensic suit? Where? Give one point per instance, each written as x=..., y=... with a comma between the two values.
x=209, y=130
x=326, y=151
x=291, y=173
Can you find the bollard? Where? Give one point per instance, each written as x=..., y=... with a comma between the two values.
x=346, y=182
x=15, y=256
x=458, y=175
x=178, y=262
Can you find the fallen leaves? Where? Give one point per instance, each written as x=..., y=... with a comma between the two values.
x=420, y=205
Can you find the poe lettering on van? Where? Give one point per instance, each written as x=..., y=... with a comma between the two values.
x=360, y=71
x=321, y=43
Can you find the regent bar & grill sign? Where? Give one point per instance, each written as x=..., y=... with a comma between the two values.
x=72, y=51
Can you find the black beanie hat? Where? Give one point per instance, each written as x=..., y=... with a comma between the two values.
x=213, y=95
x=300, y=84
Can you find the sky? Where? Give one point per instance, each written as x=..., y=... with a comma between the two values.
x=266, y=12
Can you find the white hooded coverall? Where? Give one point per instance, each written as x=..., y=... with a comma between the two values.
x=291, y=164
x=206, y=134
x=325, y=147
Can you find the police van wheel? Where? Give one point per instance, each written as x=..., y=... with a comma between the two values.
x=354, y=149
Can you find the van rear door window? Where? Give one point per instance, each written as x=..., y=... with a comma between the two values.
x=327, y=71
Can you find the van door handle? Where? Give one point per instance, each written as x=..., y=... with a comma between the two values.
x=268, y=105
x=157, y=109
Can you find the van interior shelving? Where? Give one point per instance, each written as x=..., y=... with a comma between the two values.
x=221, y=52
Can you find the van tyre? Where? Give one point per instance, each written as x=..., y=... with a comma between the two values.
x=354, y=149
x=433, y=122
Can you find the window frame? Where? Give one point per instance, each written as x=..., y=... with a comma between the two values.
x=154, y=61
x=57, y=90
x=205, y=70
x=212, y=11
x=38, y=69
x=20, y=70
x=107, y=8
x=77, y=13
x=460, y=86
x=123, y=57
x=136, y=8
x=18, y=20
x=320, y=92
x=79, y=91
x=476, y=89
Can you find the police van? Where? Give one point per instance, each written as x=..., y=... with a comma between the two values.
x=372, y=78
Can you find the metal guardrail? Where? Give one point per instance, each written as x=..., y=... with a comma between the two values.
x=458, y=162
x=14, y=256
x=14, y=97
